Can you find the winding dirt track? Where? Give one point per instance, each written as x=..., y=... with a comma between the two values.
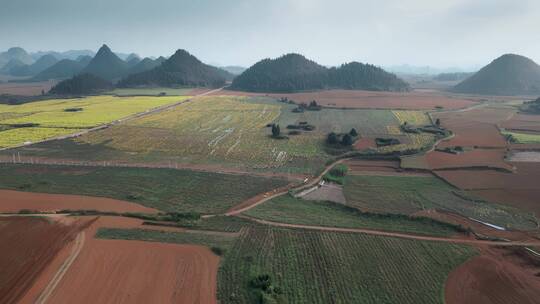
x=393, y=234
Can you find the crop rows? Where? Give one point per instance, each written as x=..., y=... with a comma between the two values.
x=325, y=267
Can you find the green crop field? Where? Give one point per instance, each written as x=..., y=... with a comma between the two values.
x=164, y=189
x=40, y=120
x=409, y=194
x=523, y=138
x=197, y=238
x=230, y=131
x=151, y=91
x=287, y=209
x=325, y=267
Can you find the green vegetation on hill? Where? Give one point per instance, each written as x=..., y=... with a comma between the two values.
x=323, y=267
x=181, y=69
x=293, y=72
x=82, y=84
x=507, y=75
x=106, y=65
x=167, y=190
x=63, y=69
x=40, y=65
x=291, y=210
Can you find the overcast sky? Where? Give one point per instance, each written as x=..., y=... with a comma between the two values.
x=439, y=33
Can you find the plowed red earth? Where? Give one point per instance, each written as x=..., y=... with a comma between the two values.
x=475, y=128
x=523, y=122
x=489, y=158
x=519, y=189
x=28, y=245
x=369, y=99
x=13, y=201
x=119, y=271
x=365, y=143
x=495, y=276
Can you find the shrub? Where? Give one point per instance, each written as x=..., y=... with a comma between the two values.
x=332, y=138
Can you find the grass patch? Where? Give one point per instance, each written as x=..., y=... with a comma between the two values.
x=522, y=138
x=410, y=194
x=222, y=242
x=167, y=190
x=336, y=174
x=288, y=209
x=325, y=267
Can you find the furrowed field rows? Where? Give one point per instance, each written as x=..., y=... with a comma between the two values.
x=37, y=121
x=410, y=194
x=325, y=267
x=167, y=190
x=231, y=131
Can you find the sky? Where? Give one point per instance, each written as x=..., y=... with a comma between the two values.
x=438, y=33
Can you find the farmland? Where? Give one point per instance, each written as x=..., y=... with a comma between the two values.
x=28, y=246
x=233, y=132
x=523, y=138
x=287, y=209
x=151, y=91
x=325, y=267
x=163, y=189
x=410, y=194
x=40, y=120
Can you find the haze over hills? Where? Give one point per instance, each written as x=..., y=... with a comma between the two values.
x=15, y=53
x=40, y=65
x=106, y=65
x=181, y=69
x=509, y=74
x=294, y=72
x=63, y=69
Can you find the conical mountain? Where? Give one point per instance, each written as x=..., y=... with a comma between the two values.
x=509, y=74
x=294, y=73
x=181, y=69
x=15, y=53
x=106, y=65
x=63, y=69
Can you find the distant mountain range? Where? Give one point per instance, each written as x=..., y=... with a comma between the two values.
x=294, y=73
x=406, y=69
x=181, y=69
x=509, y=74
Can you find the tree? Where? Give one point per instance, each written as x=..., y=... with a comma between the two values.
x=346, y=140
x=332, y=138
x=313, y=104
x=353, y=132
x=438, y=122
x=275, y=130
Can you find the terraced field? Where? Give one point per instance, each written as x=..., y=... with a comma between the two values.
x=40, y=120
x=410, y=194
x=324, y=267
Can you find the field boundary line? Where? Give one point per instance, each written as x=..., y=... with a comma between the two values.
x=79, y=243
x=389, y=234
x=115, y=122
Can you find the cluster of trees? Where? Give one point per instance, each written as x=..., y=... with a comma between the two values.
x=346, y=139
x=82, y=84
x=533, y=106
x=294, y=72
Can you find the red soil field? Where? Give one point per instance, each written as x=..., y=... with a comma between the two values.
x=523, y=122
x=119, y=271
x=26, y=89
x=28, y=245
x=475, y=128
x=372, y=165
x=492, y=158
x=496, y=276
x=13, y=201
x=365, y=143
x=369, y=99
x=519, y=189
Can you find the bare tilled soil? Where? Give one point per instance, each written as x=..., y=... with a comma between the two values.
x=369, y=99
x=29, y=245
x=488, y=158
x=14, y=201
x=497, y=275
x=523, y=122
x=26, y=89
